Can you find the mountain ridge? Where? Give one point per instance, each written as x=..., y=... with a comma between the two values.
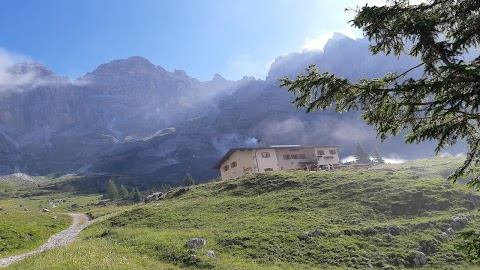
x=106, y=120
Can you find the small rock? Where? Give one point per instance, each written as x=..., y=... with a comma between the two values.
x=45, y=210
x=54, y=206
x=400, y=262
x=304, y=236
x=393, y=229
x=459, y=222
x=449, y=231
x=316, y=233
x=370, y=231
x=1, y=209
x=387, y=267
x=25, y=209
x=54, y=217
x=417, y=258
x=196, y=243
x=389, y=236
x=211, y=254
x=443, y=236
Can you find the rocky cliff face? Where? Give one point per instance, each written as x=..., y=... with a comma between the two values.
x=132, y=117
x=48, y=124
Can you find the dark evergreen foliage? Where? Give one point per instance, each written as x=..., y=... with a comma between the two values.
x=377, y=157
x=112, y=190
x=442, y=105
x=188, y=180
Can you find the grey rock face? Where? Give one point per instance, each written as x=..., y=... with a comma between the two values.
x=132, y=117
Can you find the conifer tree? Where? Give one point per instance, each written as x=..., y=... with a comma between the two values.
x=361, y=155
x=188, y=180
x=377, y=158
x=112, y=190
x=136, y=196
x=165, y=188
x=123, y=192
x=442, y=105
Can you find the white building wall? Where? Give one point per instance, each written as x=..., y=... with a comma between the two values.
x=245, y=164
x=293, y=164
x=267, y=162
x=328, y=158
x=247, y=160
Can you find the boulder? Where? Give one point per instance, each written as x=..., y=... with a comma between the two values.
x=449, y=231
x=196, y=243
x=153, y=197
x=443, y=236
x=417, y=258
x=211, y=254
x=459, y=222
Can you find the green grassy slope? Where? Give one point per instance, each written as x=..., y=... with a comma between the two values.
x=23, y=227
x=387, y=215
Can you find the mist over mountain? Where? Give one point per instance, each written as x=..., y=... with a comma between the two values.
x=133, y=118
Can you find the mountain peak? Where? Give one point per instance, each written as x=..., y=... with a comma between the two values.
x=138, y=60
x=132, y=64
x=218, y=78
x=337, y=37
x=29, y=67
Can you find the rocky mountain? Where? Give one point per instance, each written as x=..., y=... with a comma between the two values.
x=133, y=118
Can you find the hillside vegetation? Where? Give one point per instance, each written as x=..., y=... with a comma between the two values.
x=386, y=217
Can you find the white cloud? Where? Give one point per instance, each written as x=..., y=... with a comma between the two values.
x=15, y=81
x=394, y=160
x=388, y=160
x=9, y=80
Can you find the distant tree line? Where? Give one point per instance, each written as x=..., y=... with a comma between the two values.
x=115, y=192
x=361, y=155
x=122, y=193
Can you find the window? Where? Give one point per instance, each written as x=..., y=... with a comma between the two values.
x=225, y=168
x=234, y=164
x=320, y=152
x=265, y=154
x=294, y=156
x=332, y=152
x=302, y=156
x=268, y=169
x=286, y=157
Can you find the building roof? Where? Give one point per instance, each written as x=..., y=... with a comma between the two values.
x=233, y=150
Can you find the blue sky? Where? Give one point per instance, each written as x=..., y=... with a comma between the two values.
x=202, y=37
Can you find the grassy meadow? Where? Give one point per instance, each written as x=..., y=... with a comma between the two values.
x=403, y=216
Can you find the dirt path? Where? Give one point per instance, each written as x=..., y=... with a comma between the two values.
x=65, y=237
